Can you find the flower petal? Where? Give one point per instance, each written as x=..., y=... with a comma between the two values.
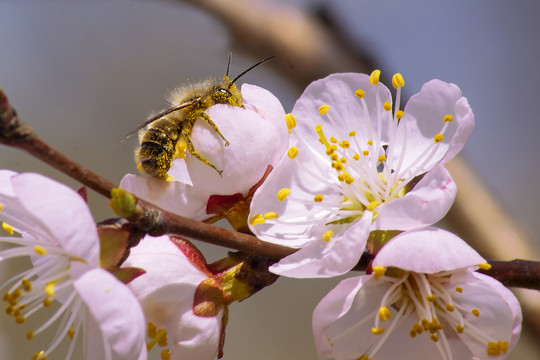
x=499, y=311
x=423, y=120
x=60, y=213
x=326, y=259
x=114, y=311
x=428, y=250
x=426, y=204
x=258, y=137
x=343, y=319
x=173, y=196
x=338, y=91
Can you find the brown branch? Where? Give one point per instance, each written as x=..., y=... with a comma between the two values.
x=519, y=273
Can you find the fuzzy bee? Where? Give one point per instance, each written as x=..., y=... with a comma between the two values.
x=167, y=135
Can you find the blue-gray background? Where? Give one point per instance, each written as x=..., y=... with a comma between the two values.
x=84, y=73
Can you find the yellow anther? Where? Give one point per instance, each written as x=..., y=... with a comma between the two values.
x=387, y=106
x=257, y=219
x=323, y=109
x=475, y=312
x=169, y=178
x=163, y=341
x=151, y=330
x=165, y=355
x=334, y=157
x=438, y=138
x=71, y=333
x=372, y=205
x=377, y=331
x=365, y=152
x=374, y=77
x=338, y=166
x=47, y=302
x=345, y=144
x=364, y=357
x=49, y=289
x=40, y=250
x=343, y=160
x=30, y=334
x=7, y=228
x=38, y=355
x=20, y=319
x=360, y=93
x=399, y=114
x=384, y=313
x=352, y=133
x=283, y=193
x=496, y=348
x=449, y=307
x=293, y=151
x=434, y=337
x=26, y=285
x=460, y=328
x=291, y=122
x=398, y=81
x=271, y=215
x=1, y=207
x=333, y=140
x=327, y=235
x=484, y=266
x=412, y=333
x=459, y=289
x=370, y=142
x=356, y=157
x=448, y=118
x=382, y=158
x=430, y=298
x=378, y=271
x=318, y=198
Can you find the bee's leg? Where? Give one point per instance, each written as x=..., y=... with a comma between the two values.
x=206, y=118
x=192, y=151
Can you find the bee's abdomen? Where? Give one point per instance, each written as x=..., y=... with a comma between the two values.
x=156, y=152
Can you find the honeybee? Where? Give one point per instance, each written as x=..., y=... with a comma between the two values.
x=167, y=135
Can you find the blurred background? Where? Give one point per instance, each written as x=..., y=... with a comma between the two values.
x=85, y=73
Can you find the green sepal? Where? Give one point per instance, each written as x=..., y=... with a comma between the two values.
x=123, y=203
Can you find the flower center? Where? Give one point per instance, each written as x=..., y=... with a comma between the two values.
x=158, y=337
x=36, y=288
x=436, y=305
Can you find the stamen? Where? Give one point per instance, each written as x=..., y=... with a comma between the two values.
x=484, y=266
x=283, y=193
x=398, y=81
x=374, y=77
x=291, y=122
x=448, y=118
x=360, y=93
x=378, y=271
x=384, y=313
x=293, y=151
x=438, y=138
x=318, y=198
x=271, y=215
x=40, y=250
x=327, y=235
x=377, y=331
x=387, y=106
x=257, y=220
x=399, y=114
x=7, y=228
x=323, y=109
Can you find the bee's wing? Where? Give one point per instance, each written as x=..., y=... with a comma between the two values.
x=160, y=115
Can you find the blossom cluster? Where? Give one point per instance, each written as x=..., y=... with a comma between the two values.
x=347, y=173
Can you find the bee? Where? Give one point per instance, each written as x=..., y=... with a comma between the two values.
x=167, y=135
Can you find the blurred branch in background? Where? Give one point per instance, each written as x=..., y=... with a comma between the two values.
x=312, y=48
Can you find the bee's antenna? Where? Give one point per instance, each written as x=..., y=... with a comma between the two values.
x=229, y=64
x=251, y=68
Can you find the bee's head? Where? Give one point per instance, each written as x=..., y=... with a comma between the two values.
x=226, y=93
